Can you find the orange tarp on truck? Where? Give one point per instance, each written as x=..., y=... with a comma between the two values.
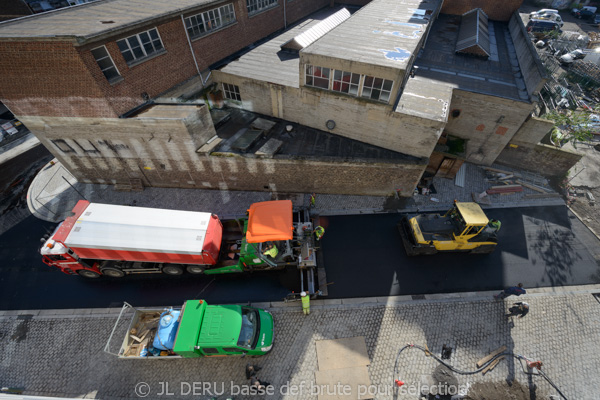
x=270, y=220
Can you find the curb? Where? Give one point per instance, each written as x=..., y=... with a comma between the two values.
x=583, y=222
x=34, y=211
x=322, y=304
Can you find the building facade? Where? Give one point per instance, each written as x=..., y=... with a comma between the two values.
x=102, y=86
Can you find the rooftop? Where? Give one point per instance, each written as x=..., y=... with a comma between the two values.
x=384, y=33
x=90, y=20
x=284, y=67
x=302, y=141
x=499, y=75
x=441, y=70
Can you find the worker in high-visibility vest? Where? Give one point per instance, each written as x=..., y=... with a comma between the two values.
x=271, y=250
x=319, y=232
x=495, y=224
x=305, y=303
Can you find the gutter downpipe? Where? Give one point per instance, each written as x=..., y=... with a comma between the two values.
x=187, y=35
x=284, y=15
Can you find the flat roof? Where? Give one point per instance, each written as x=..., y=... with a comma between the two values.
x=499, y=75
x=384, y=33
x=93, y=19
x=304, y=141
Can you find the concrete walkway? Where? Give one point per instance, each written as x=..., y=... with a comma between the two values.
x=54, y=192
x=60, y=352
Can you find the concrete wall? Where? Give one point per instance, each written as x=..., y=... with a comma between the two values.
x=488, y=123
x=541, y=158
x=533, y=71
x=113, y=150
x=355, y=118
x=499, y=10
x=161, y=152
x=533, y=130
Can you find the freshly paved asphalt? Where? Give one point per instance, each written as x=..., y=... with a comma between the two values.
x=363, y=257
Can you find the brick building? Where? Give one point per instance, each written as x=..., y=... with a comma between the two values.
x=117, y=91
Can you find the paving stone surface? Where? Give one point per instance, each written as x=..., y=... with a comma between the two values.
x=62, y=355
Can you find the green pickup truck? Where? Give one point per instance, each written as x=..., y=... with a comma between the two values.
x=194, y=330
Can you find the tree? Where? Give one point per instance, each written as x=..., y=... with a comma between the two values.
x=573, y=126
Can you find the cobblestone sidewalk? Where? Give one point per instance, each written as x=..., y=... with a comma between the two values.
x=62, y=355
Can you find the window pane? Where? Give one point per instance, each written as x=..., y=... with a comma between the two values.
x=111, y=73
x=148, y=47
x=104, y=63
x=128, y=56
x=157, y=44
x=355, y=78
x=133, y=42
x=144, y=37
x=385, y=96
x=122, y=45
x=337, y=75
x=369, y=81
x=378, y=83
x=309, y=81
x=153, y=33
x=138, y=52
x=100, y=52
x=387, y=85
x=375, y=94
x=353, y=90
x=366, y=92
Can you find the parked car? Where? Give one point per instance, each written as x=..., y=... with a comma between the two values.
x=574, y=11
x=596, y=20
x=586, y=14
x=541, y=28
x=543, y=11
x=551, y=17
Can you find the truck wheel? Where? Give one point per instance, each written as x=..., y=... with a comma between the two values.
x=172, y=270
x=113, y=272
x=195, y=269
x=86, y=273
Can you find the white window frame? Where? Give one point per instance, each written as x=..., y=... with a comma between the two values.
x=306, y=75
x=111, y=60
x=231, y=91
x=139, y=39
x=350, y=84
x=198, y=30
x=256, y=6
x=381, y=90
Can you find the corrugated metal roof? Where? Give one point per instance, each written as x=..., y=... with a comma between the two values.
x=94, y=19
x=383, y=33
x=305, y=38
x=109, y=226
x=473, y=37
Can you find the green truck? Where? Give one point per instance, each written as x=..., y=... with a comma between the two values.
x=194, y=330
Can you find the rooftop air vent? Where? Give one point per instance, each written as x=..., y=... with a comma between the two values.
x=473, y=37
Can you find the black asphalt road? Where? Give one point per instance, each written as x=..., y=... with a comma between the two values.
x=27, y=283
x=363, y=257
